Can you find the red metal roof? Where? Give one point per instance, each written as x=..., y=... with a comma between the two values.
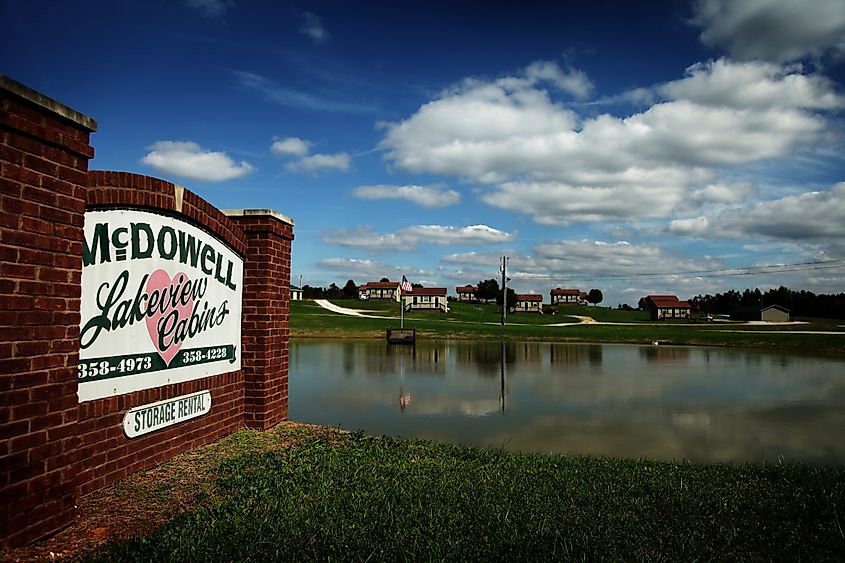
x=466, y=289
x=559, y=291
x=380, y=285
x=528, y=297
x=668, y=301
x=427, y=291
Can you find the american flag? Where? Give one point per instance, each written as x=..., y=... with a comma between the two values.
x=406, y=285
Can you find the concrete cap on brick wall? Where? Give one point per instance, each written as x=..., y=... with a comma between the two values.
x=39, y=99
x=259, y=213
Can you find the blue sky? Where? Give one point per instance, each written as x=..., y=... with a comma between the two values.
x=635, y=147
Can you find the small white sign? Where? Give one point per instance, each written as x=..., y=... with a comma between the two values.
x=155, y=416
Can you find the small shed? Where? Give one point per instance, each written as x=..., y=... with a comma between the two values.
x=769, y=313
x=295, y=293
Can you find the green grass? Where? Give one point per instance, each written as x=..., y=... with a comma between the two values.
x=466, y=321
x=351, y=497
x=603, y=314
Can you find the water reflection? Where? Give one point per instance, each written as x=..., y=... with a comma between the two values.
x=661, y=402
x=575, y=355
x=674, y=354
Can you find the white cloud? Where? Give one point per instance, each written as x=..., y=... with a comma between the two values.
x=479, y=129
x=553, y=203
x=809, y=217
x=438, y=234
x=409, y=238
x=427, y=196
x=598, y=258
x=368, y=270
x=772, y=30
x=312, y=27
x=694, y=226
x=318, y=162
x=290, y=146
x=535, y=157
x=736, y=192
x=585, y=259
x=210, y=8
x=364, y=237
x=190, y=160
x=473, y=258
x=572, y=81
x=694, y=135
x=753, y=85
x=304, y=162
x=811, y=224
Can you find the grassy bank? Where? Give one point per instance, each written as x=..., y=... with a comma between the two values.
x=298, y=493
x=465, y=321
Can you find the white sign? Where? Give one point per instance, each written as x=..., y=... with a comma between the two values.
x=152, y=417
x=161, y=303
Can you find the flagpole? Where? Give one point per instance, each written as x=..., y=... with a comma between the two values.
x=404, y=285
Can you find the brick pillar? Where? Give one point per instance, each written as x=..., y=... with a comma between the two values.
x=266, y=312
x=44, y=153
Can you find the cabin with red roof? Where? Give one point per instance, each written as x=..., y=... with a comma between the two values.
x=379, y=290
x=528, y=303
x=426, y=299
x=568, y=296
x=466, y=293
x=664, y=307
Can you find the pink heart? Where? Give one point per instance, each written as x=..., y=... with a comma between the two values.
x=160, y=281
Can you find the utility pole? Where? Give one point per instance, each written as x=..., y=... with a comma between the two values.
x=502, y=393
x=504, y=270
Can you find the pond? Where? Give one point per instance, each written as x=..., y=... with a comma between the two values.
x=653, y=402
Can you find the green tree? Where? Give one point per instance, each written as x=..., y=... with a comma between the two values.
x=350, y=290
x=487, y=290
x=595, y=296
x=511, y=298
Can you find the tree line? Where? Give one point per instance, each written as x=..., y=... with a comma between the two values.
x=800, y=303
x=348, y=291
x=488, y=290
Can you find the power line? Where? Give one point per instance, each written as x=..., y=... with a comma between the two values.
x=722, y=272
x=744, y=270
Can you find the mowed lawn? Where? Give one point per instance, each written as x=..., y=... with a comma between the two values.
x=323, y=495
x=483, y=321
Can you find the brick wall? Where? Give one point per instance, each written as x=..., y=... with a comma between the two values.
x=44, y=155
x=53, y=448
x=106, y=454
x=266, y=311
